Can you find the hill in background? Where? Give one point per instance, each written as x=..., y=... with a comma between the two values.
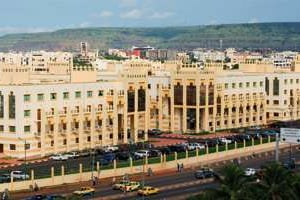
x=281, y=36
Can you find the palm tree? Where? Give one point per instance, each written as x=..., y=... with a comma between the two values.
x=276, y=184
x=232, y=180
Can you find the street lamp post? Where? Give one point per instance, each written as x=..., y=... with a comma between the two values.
x=25, y=156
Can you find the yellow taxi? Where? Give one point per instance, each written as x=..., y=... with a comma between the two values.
x=83, y=191
x=148, y=191
x=131, y=186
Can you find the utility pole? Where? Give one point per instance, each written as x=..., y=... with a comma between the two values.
x=277, y=148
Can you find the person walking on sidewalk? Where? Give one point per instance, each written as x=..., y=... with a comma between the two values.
x=178, y=167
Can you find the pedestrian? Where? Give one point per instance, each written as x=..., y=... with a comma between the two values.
x=94, y=180
x=113, y=180
x=36, y=187
x=178, y=167
x=181, y=167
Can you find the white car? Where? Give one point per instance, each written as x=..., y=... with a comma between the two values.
x=225, y=140
x=59, y=157
x=19, y=175
x=110, y=148
x=194, y=146
x=141, y=153
x=71, y=155
x=250, y=172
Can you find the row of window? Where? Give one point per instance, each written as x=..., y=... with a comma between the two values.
x=241, y=85
x=291, y=81
x=88, y=139
x=66, y=95
x=12, y=129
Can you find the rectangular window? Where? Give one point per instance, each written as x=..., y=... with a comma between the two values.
x=27, y=97
x=53, y=96
x=12, y=105
x=26, y=129
x=226, y=85
x=66, y=95
x=26, y=113
x=12, y=129
x=77, y=94
x=1, y=128
x=297, y=80
x=89, y=93
x=247, y=84
x=12, y=147
x=27, y=146
x=233, y=85
x=40, y=97
x=276, y=102
x=240, y=85
x=77, y=140
x=260, y=83
x=100, y=93
x=254, y=84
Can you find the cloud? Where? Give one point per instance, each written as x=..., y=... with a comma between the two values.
x=132, y=14
x=162, y=15
x=128, y=3
x=103, y=14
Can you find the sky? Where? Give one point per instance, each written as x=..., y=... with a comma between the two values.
x=48, y=15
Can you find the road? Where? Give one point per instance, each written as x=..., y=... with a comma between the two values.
x=174, y=185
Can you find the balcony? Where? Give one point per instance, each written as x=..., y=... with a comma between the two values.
x=75, y=130
x=87, y=129
x=50, y=133
x=62, y=113
x=75, y=112
x=98, y=128
x=62, y=131
x=49, y=114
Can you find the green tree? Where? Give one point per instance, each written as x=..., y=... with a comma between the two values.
x=232, y=184
x=277, y=184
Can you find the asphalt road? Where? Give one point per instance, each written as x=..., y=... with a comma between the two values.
x=188, y=184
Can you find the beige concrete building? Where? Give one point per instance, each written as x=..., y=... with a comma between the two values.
x=66, y=108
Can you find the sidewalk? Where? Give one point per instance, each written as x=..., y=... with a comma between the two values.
x=12, y=162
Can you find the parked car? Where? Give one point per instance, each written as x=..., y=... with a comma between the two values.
x=84, y=191
x=111, y=148
x=145, y=191
x=225, y=140
x=165, y=150
x=131, y=186
x=193, y=146
x=84, y=153
x=124, y=155
x=250, y=172
x=4, y=178
x=110, y=157
x=203, y=174
x=141, y=154
x=178, y=148
x=102, y=162
x=154, y=132
x=154, y=153
x=19, y=175
x=59, y=157
x=71, y=155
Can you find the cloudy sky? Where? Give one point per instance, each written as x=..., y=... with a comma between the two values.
x=48, y=15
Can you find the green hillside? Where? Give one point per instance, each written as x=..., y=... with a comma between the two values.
x=260, y=35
